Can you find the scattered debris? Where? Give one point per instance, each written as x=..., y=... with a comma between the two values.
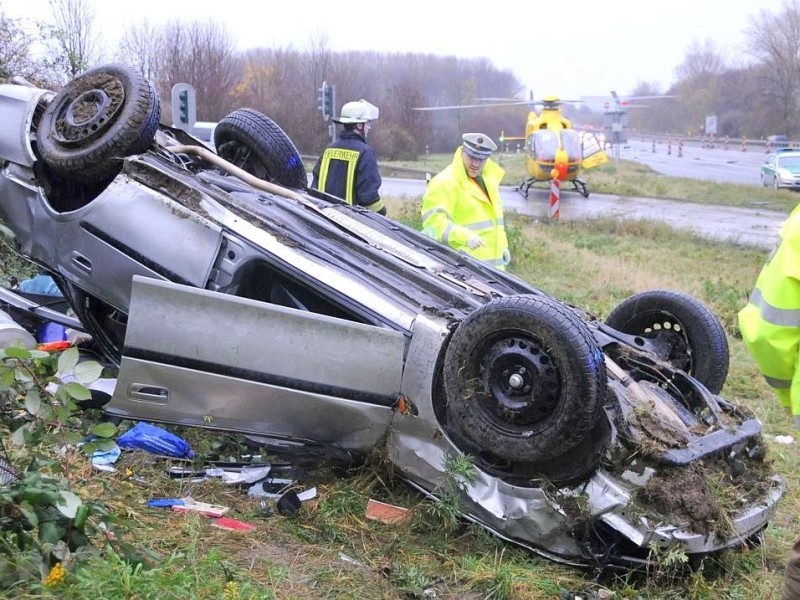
x=103, y=459
x=232, y=524
x=245, y=475
x=209, y=510
x=289, y=504
x=386, y=513
x=784, y=439
x=144, y=436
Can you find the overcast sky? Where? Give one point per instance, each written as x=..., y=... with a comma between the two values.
x=570, y=49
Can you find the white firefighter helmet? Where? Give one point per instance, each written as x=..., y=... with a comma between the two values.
x=359, y=111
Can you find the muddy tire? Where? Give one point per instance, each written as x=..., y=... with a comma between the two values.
x=524, y=380
x=255, y=143
x=95, y=121
x=688, y=335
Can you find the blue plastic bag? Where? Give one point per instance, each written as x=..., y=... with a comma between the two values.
x=41, y=284
x=51, y=332
x=144, y=436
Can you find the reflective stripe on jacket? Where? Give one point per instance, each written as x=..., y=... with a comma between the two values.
x=770, y=323
x=348, y=169
x=454, y=207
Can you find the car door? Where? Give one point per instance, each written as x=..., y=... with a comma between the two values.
x=202, y=358
x=129, y=229
x=768, y=170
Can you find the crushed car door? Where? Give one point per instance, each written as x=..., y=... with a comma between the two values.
x=128, y=229
x=202, y=358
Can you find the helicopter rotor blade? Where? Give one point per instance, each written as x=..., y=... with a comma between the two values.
x=460, y=106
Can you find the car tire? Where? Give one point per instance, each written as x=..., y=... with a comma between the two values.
x=524, y=380
x=775, y=183
x=691, y=336
x=97, y=119
x=253, y=142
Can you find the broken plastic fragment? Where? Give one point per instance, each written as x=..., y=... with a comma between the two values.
x=386, y=513
x=103, y=459
x=189, y=504
x=232, y=524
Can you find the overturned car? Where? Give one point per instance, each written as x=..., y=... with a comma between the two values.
x=230, y=296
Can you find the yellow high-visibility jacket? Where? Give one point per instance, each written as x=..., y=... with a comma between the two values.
x=455, y=206
x=770, y=323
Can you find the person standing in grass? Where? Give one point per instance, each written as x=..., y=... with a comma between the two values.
x=770, y=326
x=462, y=206
x=348, y=167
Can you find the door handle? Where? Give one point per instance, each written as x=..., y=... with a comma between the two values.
x=148, y=393
x=81, y=262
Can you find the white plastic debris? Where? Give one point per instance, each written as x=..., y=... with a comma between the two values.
x=784, y=439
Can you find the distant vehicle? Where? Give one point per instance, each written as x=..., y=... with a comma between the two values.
x=778, y=142
x=781, y=170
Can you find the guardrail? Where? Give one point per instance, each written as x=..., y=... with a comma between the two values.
x=724, y=142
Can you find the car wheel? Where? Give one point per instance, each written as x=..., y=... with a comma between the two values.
x=97, y=119
x=254, y=142
x=524, y=380
x=688, y=335
x=775, y=183
x=763, y=180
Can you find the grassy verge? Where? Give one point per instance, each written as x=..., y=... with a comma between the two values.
x=330, y=550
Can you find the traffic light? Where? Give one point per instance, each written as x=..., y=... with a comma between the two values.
x=326, y=99
x=183, y=106
x=321, y=98
x=329, y=102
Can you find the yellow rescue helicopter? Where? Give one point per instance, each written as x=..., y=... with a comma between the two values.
x=555, y=150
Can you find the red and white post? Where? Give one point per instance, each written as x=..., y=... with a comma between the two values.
x=555, y=193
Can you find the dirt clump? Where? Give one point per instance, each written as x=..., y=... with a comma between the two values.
x=683, y=496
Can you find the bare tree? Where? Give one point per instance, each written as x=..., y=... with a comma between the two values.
x=774, y=40
x=73, y=34
x=141, y=47
x=202, y=54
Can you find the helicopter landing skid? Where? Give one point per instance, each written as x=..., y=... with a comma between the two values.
x=578, y=184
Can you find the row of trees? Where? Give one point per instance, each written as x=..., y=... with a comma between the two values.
x=754, y=98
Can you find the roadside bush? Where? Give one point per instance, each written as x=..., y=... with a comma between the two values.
x=44, y=524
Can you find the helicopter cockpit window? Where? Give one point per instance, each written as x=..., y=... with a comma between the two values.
x=544, y=144
x=571, y=140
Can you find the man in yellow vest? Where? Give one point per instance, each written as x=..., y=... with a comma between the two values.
x=770, y=326
x=462, y=206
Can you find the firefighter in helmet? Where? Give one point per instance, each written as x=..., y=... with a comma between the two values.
x=348, y=168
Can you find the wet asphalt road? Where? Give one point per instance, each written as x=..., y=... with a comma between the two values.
x=755, y=227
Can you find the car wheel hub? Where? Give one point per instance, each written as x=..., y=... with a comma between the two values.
x=521, y=380
x=86, y=117
x=670, y=344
